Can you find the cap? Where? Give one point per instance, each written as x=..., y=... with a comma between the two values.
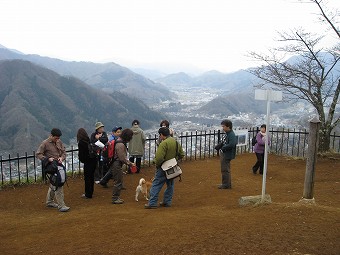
x=116, y=128
x=99, y=125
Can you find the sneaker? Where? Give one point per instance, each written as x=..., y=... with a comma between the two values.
x=85, y=197
x=147, y=206
x=96, y=182
x=64, y=209
x=118, y=201
x=52, y=205
x=162, y=204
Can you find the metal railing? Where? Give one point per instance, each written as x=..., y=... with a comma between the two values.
x=196, y=145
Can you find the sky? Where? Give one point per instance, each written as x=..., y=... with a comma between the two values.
x=198, y=34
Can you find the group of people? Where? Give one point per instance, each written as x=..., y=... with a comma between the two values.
x=132, y=141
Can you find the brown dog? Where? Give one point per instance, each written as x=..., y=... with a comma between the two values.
x=144, y=188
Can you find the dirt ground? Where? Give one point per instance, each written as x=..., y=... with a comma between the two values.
x=202, y=220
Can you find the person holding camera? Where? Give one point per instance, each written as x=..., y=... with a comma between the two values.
x=227, y=148
x=52, y=151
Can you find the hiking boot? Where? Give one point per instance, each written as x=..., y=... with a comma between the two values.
x=147, y=206
x=64, y=209
x=162, y=204
x=52, y=205
x=118, y=201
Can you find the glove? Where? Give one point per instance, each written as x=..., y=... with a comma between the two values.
x=218, y=146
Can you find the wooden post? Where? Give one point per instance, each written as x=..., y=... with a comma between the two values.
x=314, y=126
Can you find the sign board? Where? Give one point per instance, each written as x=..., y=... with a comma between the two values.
x=271, y=95
x=242, y=137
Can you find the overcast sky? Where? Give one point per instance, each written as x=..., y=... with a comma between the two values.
x=207, y=34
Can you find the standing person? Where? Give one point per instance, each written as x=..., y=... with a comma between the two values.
x=259, y=147
x=99, y=135
x=116, y=132
x=136, y=145
x=89, y=163
x=165, y=151
x=227, y=153
x=53, y=150
x=165, y=123
x=119, y=159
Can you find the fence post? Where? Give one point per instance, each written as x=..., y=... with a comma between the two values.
x=314, y=125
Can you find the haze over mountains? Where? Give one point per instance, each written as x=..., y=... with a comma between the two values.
x=35, y=99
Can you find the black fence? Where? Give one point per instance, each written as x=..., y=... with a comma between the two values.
x=196, y=145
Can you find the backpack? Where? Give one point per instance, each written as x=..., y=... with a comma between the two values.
x=58, y=178
x=253, y=141
x=92, y=150
x=109, y=150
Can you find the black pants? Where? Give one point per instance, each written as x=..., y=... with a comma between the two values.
x=259, y=163
x=89, y=168
x=138, y=162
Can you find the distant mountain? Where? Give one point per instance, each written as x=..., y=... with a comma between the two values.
x=110, y=76
x=236, y=103
x=240, y=81
x=34, y=99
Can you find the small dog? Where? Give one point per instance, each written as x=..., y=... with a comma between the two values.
x=144, y=188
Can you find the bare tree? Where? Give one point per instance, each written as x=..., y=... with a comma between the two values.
x=312, y=75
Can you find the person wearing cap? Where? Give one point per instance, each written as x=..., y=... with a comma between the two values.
x=52, y=149
x=136, y=145
x=116, y=132
x=99, y=135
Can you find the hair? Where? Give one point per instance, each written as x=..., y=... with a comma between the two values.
x=227, y=123
x=164, y=122
x=56, y=132
x=135, y=122
x=164, y=131
x=82, y=135
x=126, y=135
x=264, y=126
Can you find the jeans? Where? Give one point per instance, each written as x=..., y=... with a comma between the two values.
x=225, y=171
x=157, y=185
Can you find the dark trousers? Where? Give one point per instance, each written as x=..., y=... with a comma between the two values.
x=138, y=162
x=259, y=163
x=225, y=171
x=89, y=168
x=117, y=175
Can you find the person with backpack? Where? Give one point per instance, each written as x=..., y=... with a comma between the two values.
x=169, y=148
x=119, y=158
x=136, y=145
x=116, y=132
x=259, y=147
x=88, y=160
x=99, y=135
x=228, y=152
x=52, y=153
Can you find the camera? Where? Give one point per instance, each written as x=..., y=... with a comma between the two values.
x=218, y=146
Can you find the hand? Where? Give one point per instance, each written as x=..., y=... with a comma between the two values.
x=50, y=159
x=60, y=160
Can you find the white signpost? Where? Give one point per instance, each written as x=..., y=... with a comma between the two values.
x=269, y=95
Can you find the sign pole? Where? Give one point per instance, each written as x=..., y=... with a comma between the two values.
x=265, y=163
